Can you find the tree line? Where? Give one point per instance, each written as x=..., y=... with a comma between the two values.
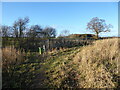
x=20, y=29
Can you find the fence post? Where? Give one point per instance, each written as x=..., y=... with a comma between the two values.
x=48, y=43
x=40, y=50
x=44, y=48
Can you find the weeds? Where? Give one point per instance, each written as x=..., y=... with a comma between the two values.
x=98, y=63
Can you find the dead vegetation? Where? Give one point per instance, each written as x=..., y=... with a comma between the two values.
x=11, y=56
x=98, y=64
x=92, y=66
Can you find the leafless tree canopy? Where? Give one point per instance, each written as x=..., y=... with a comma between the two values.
x=98, y=25
x=20, y=29
x=64, y=33
x=49, y=32
x=34, y=31
x=5, y=30
x=19, y=26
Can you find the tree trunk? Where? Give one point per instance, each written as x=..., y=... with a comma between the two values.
x=97, y=35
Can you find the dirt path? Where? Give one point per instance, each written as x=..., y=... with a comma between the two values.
x=64, y=56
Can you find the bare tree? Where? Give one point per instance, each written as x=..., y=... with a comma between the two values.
x=5, y=31
x=64, y=33
x=49, y=32
x=19, y=26
x=98, y=25
x=15, y=30
x=35, y=31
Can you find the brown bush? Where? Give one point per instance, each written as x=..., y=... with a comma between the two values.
x=11, y=56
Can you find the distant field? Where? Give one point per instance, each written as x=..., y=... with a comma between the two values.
x=91, y=66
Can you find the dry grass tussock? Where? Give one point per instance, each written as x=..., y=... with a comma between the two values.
x=11, y=56
x=98, y=64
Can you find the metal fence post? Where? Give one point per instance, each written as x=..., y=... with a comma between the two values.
x=40, y=50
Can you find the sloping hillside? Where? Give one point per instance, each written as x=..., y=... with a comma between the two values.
x=90, y=66
x=93, y=66
x=82, y=36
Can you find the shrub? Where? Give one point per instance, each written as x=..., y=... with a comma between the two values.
x=11, y=57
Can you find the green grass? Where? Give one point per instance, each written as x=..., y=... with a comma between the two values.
x=59, y=67
x=28, y=73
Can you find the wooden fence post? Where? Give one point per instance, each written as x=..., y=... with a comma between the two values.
x=48, y=44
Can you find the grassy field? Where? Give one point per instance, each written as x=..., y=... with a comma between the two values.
x=91, y=66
